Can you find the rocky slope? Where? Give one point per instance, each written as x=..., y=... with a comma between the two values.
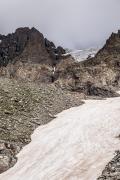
x=23, y=107
x=98, y=76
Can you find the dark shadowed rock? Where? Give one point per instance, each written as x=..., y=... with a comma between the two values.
x=27, y=45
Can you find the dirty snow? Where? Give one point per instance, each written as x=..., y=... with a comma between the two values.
x=75, y=146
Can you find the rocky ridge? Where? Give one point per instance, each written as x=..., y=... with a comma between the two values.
x=28, y=45
x=99, y=76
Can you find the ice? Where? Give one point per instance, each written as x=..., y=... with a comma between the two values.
x=81, y=55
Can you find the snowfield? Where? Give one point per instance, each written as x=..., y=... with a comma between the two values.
x=81, y=55
x=76, y=145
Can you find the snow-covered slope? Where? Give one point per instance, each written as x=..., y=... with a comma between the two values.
x=75, y=146
x=81, y=55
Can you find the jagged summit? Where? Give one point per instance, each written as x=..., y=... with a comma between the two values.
x=28, y=45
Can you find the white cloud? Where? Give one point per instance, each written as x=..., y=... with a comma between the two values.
x=72, y=23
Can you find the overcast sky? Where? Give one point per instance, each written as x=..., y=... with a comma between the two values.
x=71, y=23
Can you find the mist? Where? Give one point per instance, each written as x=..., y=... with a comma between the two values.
x=70, y=23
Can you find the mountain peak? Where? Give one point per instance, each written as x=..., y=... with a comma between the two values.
x=30, y=44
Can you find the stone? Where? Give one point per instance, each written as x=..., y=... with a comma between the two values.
x=96, y=76
x=28, y=43
x=2, y=146
x=4, y=163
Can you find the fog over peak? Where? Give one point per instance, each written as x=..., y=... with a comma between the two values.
x=70, y=23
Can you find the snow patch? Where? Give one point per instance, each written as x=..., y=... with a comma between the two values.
x=81, y=55
x=76, y=145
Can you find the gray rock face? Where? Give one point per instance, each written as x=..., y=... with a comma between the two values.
x=8, y=152
x=28, y=45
